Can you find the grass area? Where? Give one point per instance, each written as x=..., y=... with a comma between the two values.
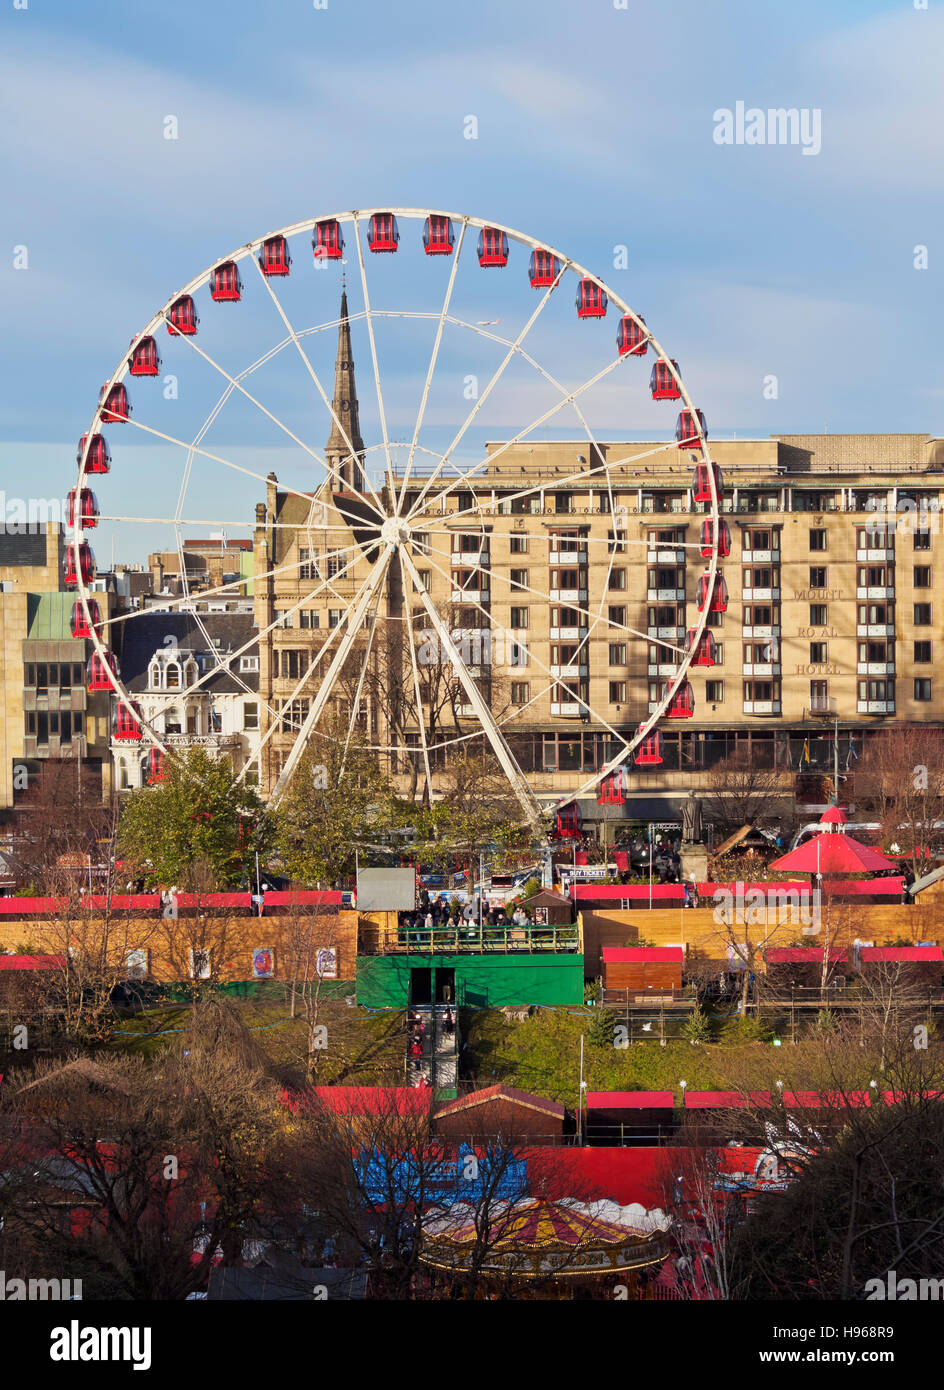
x=360, y=1048
x=541, y=1054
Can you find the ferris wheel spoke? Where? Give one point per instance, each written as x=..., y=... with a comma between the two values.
x=247, y=646
x=417, y=684
x=370, y=587
x=496, y=377
x=434, y=356
x=479, y=509
x=375, y=503
x=495, y=737
x=235, y=384
x=356, y=702
x=373, y=357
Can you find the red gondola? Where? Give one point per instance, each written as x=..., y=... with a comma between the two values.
x=274, y=258
x=183, y=317
x=632, y=339
x=79, y=560
x=125, y=727
x=225, y=284
x=543, y=269
x=719, y=596
x=682, y=704
x=662, y=384
x=686, y=429
x=708, y=533
x=83, y=508
x=701, y=487
x=649, y=752
x=706, y=651
x=99, y=459
x=115, y=404
x=438, y=238
x=611, y=789
x=327, y=243
x=80, y=624
x=383, y=234
x=154, y=766
x=99, y=667
x=568, y=821
x=591, y=300
x=492, y=247
x=145, y=359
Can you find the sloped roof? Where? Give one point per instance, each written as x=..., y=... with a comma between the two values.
x=146, y=634
x=502, y=1092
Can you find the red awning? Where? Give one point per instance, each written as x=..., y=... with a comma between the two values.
x=792, y=955
x=833, y=852
x=674, y=954
x=303, y=899
x=630, y=1100
x=902, y=954
x=31, y=962
x=609, y=892
x=824, y=1100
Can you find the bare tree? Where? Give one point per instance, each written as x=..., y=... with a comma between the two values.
x=739, y=791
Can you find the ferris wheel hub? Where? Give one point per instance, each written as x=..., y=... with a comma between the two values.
x=395, y=531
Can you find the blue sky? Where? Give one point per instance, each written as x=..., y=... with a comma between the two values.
x=595, y=130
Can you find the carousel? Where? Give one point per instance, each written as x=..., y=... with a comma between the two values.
x=541, y=1240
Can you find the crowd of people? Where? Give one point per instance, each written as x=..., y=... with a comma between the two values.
x=445, y=914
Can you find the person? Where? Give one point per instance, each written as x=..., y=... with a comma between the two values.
x=429, y=921
x=449, y=1023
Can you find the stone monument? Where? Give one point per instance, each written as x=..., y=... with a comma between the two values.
x=693, y=853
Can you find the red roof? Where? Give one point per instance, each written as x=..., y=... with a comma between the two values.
x=831, y=887
x=630, y=1100
x=16, y=907
x=624, y=1175
x=31, y=962
x=368, y=1100
x=302, y=899
x=824, y=1100
x=833, y=852
x=902, y=953
x=502, y=1092
x=834, y=816
x=644, y=953
x=616, y=891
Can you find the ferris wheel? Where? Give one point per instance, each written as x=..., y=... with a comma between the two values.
x=466, y=332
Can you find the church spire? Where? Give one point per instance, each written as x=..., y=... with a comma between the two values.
x=345, y=460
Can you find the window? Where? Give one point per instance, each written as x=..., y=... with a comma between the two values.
x=617, y=615
x=617, y=653
x=819, y=695
x=879, y=691
x=761, y=690
x=922, y=576
x=715, y=620
x=563, y=502
x=819, y=653
x=921, y=540
x=759, y=540
x=519, y=579
x=283, y=618
x=817, y=539
x=761, y=577
x=876, y=614
x=922, y=615
x=425, y=577
x=875, y=576
x=761, y=615
x=306, y=568
x=250, y=715
x=307, y=617
x=291, y=663
x=42, y=727
x=819, y=615
x=519, y=617
x=334, y=617
x=817, y=576
x=922, y=688
x=922, y=653
x=565, y=579
x=520, y=692
x=617, y=579
x=248, y=663
x=518, y=545
x=616, y=542
x=617, y=692
x=714, y=692
x=878, y=651
x=294, y=715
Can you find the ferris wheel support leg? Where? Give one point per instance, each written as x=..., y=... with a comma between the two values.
x=525, y=795
x=354, y=621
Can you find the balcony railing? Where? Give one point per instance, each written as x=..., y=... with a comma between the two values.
x=485, y=940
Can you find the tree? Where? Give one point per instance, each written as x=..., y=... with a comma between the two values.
x=337, y=798
x=899, y=779
x=200, y=824
x=739, y=791
x=61, y=818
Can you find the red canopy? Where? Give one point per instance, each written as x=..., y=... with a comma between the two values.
x=833, y=852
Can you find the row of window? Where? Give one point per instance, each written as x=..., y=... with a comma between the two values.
x=54, y=675
x=753, y=691
x=63, y=725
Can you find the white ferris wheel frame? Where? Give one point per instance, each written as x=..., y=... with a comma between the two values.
x=393, y=525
